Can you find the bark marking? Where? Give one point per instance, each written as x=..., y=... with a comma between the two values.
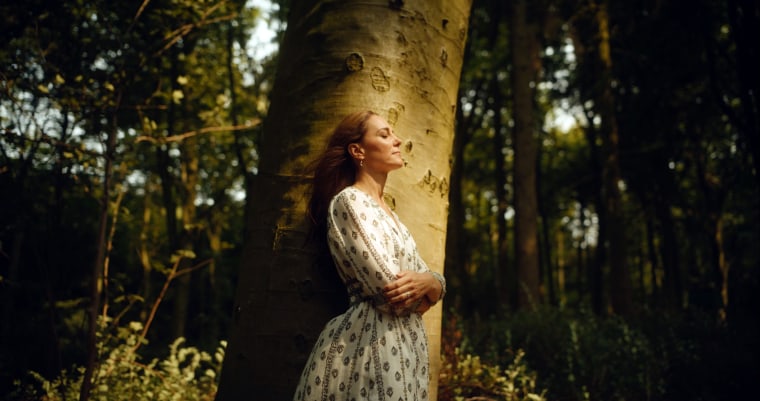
x=434, y=184
x=394, y=113
x=379, y=80
x=354, y=62
x=390, y=201
x=401, y=39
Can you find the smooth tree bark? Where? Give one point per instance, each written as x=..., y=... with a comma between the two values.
x=400, y=59
x=525, y=60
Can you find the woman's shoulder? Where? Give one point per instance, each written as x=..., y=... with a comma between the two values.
x=347, y=193
x=348, y=197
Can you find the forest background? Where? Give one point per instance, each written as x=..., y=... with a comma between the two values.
x=607, y=161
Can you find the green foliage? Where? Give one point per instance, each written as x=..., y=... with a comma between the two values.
x=185, y=374
x=467, y=377
x=586, y=357
x=580, y=356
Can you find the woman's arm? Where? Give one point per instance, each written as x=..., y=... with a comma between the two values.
x=356, y=244
x=410, y=287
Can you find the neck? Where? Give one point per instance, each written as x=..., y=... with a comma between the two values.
x=372, y=184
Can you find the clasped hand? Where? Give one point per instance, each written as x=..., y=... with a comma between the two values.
x=411, y=289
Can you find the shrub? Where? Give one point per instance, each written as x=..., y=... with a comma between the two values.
x=651, y=356
x=466, y=377
x=186, y=374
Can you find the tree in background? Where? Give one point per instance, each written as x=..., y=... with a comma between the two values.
x=524, y=43
x=633, y=195
x=121, y=113
x=172, y=80
x=401, y=59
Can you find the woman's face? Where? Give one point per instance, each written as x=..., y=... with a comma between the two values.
x=380, y=146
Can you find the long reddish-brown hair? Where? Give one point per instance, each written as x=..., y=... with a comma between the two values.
x=335, y=169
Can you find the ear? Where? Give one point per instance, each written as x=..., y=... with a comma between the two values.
x=356, y=151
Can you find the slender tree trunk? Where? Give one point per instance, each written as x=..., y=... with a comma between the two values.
x=597, y=254
x=503, y=275
x=583, y=279
x=454, y=265
x=188, y=233
x=672, y=280
x=620, y=280
x=561, y=269
x=402, y=60
x=595, y=59
x=744, y=19
x=546, y=255
x=654, y=260
x=214, y=231
x=524, y=44
x=722, y=266
x=143, y=252
x=714, y=195
x=96, y=287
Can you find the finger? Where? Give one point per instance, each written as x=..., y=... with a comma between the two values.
x=391, y=286
x=396, y=284
x=403, y=298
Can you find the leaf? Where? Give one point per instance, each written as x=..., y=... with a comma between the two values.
x=177, y=95
x=182, y=253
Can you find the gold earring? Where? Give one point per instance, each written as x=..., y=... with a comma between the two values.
x=361, y=163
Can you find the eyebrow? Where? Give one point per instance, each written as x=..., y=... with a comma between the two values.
x=386, y=129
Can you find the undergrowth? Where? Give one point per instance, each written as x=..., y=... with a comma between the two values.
x=578, y=356
x=186, y=373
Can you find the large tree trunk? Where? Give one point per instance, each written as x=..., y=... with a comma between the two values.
x=525, y=59
x=401, y=59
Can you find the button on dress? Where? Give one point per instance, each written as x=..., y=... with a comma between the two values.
x=373, y=351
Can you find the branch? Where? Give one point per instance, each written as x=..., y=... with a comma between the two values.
x=182, y=31
x=172, y=275
x=206, y=130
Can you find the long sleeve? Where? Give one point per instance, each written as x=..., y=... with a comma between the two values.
x=360, y=247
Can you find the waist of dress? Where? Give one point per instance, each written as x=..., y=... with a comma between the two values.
x=374, y=299
x=377, y=300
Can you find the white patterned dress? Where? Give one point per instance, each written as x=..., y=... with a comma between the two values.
x=372, y=351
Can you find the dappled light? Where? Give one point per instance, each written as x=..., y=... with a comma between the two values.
x=584, y=174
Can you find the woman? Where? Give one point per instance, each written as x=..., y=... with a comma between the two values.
x=377, y=349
